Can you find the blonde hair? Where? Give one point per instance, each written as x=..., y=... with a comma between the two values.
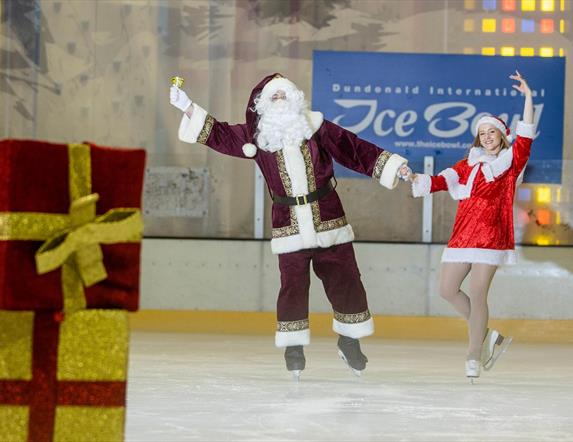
x=504, y=141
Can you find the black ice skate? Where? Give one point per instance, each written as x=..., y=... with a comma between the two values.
x=295, y=361
x=349, y=351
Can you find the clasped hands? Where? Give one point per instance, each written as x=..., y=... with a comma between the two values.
x=406, y=174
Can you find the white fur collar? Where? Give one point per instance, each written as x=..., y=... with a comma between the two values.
x=315, y=120
x=479, y=155
x=492, y=165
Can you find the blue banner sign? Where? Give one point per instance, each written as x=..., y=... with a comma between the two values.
x=427, y=104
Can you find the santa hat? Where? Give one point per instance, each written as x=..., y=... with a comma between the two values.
x=274, y=81
x=498, y=123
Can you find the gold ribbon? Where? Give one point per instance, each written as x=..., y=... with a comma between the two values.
x=73, y=241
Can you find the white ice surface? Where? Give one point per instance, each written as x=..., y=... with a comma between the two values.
x=193, y=387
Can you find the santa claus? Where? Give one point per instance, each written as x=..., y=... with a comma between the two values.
x=294, y=149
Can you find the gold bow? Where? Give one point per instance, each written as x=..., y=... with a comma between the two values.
x=72, y=241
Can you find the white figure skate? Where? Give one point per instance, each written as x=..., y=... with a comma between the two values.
x=472, y=370
x=494, y=346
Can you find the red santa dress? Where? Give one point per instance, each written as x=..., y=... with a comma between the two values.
x=485, y=187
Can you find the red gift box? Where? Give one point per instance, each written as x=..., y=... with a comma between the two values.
x=63, y=376
x=39, y=180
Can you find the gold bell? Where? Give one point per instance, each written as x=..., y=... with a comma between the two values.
x=177, y=81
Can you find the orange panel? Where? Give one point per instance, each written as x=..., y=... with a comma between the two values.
x=508, y=25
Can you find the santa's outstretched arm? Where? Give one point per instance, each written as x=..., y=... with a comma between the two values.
x=198, y=126
x=360, y=155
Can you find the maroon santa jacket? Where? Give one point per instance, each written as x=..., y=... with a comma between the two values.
x=300, y=170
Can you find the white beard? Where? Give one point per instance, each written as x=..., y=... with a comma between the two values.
x=282, y=123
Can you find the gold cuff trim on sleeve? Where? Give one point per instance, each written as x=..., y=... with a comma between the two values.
x=206, y=131
x=380, y=163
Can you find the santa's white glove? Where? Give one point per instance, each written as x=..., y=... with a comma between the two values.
x=404, y=173
x=179, y=99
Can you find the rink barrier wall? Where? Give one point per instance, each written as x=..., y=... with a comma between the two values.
x=386, y=327
x=401, y=281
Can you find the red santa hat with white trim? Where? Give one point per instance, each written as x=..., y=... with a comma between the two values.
x=274, y=81
x=498, y=123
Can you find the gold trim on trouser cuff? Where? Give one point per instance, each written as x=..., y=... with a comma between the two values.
x=352, y=318
x=290, y=326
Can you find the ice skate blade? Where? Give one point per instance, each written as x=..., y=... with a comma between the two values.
x=496, y=354
x=472, y=379
x=357, y=373
x=296, y=375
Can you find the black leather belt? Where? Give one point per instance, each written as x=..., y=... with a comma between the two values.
x=301, y=200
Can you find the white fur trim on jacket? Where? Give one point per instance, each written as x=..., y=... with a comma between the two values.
x=294, y=243
x=492, y=165
x=525, y=130
x=421, y=185
x=456, y=190
x=356, y=331
x=389, y=177
x=288, y=339
x=190, y=128
x=315, y=120
x=483, y=256
x=296, y=170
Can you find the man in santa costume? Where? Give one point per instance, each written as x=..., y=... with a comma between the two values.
x=294, y=149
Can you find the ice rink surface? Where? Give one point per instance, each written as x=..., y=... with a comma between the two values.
x=195, y=387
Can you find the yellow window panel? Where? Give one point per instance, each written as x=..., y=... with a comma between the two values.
x=561, y=52
x=488, y=25
x=488, y=51
x=546, y=52
x=527, y=52
x=508, y=51
x=548, y=5
x=543, y=194
x=528, y=5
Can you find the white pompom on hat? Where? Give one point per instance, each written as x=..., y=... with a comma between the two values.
x=498, y=123
x=250, y=150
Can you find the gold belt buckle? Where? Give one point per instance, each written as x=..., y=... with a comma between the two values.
x=301, y=200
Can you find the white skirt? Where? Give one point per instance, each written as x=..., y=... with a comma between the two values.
x=482, y=256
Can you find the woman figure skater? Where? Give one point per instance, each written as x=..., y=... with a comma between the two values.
x=482, y=236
